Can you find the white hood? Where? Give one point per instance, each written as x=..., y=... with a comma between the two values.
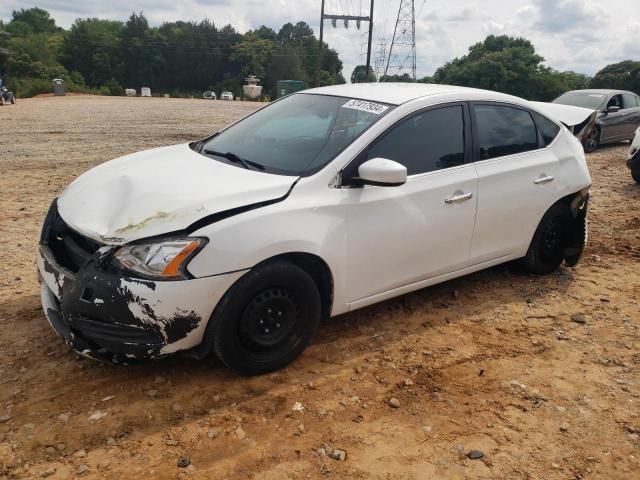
x=569, y=115
x=159, y=191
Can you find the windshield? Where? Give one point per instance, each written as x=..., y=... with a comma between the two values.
x=297, y=135
x=582, y=99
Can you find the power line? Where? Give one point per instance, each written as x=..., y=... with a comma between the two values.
x=346, y=18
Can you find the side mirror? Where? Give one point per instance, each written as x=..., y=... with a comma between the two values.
x=613, y=109
x=382, y=172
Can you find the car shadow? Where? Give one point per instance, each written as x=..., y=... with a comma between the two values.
x=48, y=377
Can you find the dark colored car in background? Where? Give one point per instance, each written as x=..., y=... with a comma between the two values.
x=618, y=114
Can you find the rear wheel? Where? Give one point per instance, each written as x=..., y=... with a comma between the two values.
x=3, y=101
x=552, y=236
x=592, y=140
x=635, y=174
x=267, y=318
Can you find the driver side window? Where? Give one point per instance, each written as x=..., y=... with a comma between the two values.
x=429, y=141
x=615, y=101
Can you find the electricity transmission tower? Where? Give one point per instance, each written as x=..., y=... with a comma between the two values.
x=381, y=59
x=402, y=53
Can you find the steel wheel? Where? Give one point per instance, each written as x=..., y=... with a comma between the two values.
x=268, y=320
x=553, y=241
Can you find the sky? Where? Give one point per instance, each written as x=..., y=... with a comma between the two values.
x=579, y=35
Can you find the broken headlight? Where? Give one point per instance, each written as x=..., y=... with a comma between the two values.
x=162, y=260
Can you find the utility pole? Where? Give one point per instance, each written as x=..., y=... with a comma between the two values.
x=321, y=44
x=346, y=19
x=368, y=69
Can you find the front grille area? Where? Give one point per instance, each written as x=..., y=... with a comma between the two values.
x=70, y=249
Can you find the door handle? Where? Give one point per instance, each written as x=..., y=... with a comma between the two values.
x=541, y=180
x=459, y=198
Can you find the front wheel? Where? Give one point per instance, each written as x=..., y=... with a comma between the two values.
x=635, y=174
x=13, y=99
x=592, y=140
x=267, y=319
x=552, y=236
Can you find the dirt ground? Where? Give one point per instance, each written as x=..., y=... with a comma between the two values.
x=495, y=361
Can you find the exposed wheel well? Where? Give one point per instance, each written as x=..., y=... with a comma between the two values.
x=574, y=201
x=317, y=269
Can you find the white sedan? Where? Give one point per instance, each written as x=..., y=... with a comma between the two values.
x=633, y=161
x=315, y=205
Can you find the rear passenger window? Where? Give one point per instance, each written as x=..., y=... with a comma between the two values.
x=548, y=130
x=629, y=100
x=429, y=141
x=504, y=131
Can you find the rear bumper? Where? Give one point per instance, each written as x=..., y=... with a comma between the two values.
x=114, y=318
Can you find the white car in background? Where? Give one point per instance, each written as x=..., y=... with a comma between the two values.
x=315, y=205
x=209, y=95
x=633, y=161
x=226, y=96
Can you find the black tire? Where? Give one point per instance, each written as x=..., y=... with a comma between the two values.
x=267, y=319
x=3, y=102
x=592, y=141
x=13, y=99
x=552, y=236
x=635, y=174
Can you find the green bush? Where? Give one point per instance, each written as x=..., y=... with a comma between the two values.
x=112, y=88
x=29, y=87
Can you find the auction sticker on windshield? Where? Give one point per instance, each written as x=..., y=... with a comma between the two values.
x=364, y=106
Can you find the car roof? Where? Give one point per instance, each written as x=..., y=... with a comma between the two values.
x=399, y=93
x=600, y=91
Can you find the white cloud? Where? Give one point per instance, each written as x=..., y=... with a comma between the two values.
x=567, y=15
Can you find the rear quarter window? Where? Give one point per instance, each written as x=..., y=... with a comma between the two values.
x=504, y=131
x=548, y=129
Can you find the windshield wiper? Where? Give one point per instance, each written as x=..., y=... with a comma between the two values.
x=236, y=159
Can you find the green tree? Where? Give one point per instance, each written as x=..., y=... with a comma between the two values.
x=265, y=33
x=359, y=74
x=92, y=47
x=31, y=20
x=252, y=55
x=175, y=57
x=623, y=75
x=509, y=65
x=285, y=64
x=404, y=78
x=136, y=52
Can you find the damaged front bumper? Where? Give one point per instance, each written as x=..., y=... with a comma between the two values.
x=106, y=315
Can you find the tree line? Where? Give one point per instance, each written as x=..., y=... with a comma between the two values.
x=186, y=58
x=511, y=65
x=180, y=58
